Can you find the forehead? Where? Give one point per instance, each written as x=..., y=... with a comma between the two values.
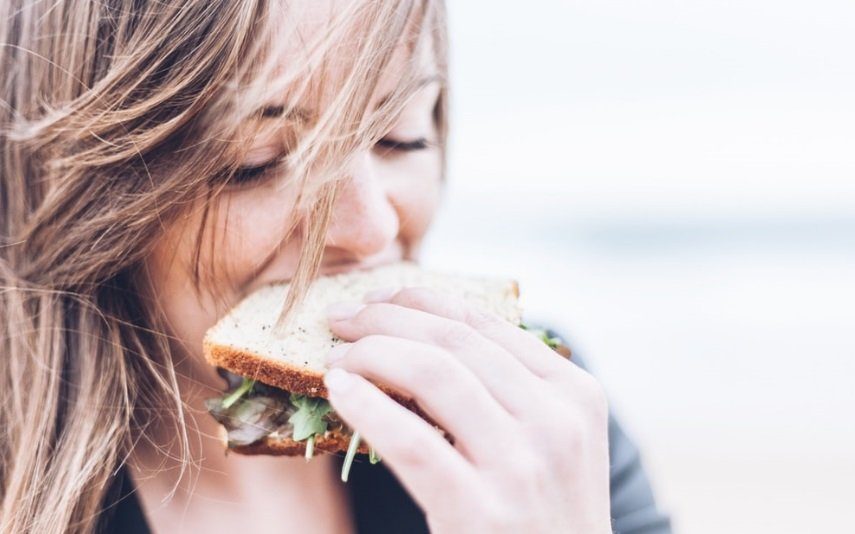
x=316, y=43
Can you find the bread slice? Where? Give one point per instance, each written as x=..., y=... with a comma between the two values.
x=243, y=342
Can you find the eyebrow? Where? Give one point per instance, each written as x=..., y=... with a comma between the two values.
x=276, y=111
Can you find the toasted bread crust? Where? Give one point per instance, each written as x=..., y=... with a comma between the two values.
x=286, y=376
x=271, y=372
x=331, y=442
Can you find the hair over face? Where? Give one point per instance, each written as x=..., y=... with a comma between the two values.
x=116, y=117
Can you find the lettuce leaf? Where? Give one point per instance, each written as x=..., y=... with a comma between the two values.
x=552, y=342
x=308, y=420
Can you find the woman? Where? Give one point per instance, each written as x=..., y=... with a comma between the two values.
x=160, y=160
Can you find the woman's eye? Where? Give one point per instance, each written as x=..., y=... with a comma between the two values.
x=249, y=174
x=400, y=145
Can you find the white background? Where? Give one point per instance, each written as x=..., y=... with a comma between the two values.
x=673, y=184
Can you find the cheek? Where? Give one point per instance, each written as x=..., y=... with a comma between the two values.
x=243, y=229
x=414, y=186
x=170, y=266
x=249, y=228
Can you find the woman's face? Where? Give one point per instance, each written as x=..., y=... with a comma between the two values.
x=382, y=211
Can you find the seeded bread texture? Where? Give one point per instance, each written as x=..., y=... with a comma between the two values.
x=243, y=341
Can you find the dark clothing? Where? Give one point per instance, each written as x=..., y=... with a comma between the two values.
x=381, y=505
x=378, y=501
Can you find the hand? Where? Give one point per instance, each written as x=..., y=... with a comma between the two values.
x=530, y=450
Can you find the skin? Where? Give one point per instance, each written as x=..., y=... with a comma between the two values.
x=512, y=468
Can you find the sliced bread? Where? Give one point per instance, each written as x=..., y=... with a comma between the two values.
x=243, y=342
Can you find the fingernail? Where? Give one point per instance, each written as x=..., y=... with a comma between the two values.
x=343, y=310
x=380, y=295
x=337, y=352
x=338, y=381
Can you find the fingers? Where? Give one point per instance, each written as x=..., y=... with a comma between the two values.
x=528, y=349
x=507, y=380
x=425, y=463
x=441, y=385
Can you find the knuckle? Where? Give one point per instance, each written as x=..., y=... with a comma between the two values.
x=359, y=323
x=456, y=335
x=526, y=468
x=549, y=406
x=481, y=320
x=593, y=395
x=569, y=436
x=498, y=515
x=500, y=518
x=564, y=447
x=362, y=348
x=359, y=398
x=370, y=343
x=413, y=296
x=563, y=430
x=415, y=458
x=373, y=316
x=436, y=371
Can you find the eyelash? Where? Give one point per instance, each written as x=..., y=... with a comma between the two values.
x=245, y=175
x=403, y=146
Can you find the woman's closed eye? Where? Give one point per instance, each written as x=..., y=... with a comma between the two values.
x=249, y=174
x=388, y=144
x=252, y=173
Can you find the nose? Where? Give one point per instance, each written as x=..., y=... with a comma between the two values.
x=364, y=221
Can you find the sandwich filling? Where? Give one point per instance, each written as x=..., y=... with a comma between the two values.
x=251, y=411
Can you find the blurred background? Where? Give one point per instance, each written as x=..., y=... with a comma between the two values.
x=673, y=184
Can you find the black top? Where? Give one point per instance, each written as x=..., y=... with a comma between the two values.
x=381, y=505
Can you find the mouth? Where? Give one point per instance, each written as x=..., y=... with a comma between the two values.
x=393, y=254
x=347, y=266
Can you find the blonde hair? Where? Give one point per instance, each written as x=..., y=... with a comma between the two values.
x=115, y=117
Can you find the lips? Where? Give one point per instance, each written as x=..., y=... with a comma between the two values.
x=394, y=253
x=343, y=267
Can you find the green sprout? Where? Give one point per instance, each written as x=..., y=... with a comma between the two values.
x=351, y=453
x=235, y=395
x=310, y=447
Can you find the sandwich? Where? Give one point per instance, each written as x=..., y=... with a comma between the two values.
x=275, y=399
